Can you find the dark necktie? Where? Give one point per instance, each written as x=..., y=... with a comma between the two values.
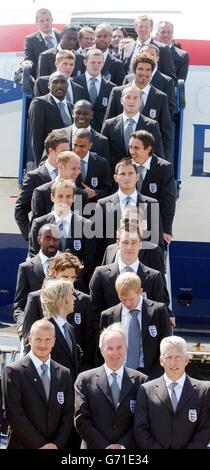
x=134, y=340
x=83, y=169
x=67, y=336
x=45, y=379
x=54, y=173
x=115, y=390
x=140, y=171
x=66, y=118
x=92, y=91
x=49, y=42
x=174, y=400
x=128, y=200
x=128, y=131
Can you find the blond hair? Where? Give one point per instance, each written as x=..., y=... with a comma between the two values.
x=52, y=292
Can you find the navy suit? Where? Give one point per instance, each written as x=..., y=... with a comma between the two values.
x=41, y=88
x=81, y=319
x=61, y=352
x=113, y=70
x=165, y=64
x=35, y=45
x=157, y=426
x=98, y=177
x=181, y=62
x=33, y=420
x=32, y=180
x=113, y=129
x=44, y=116
x=100, y=105
x=46, y=63
x=154, y=316
x=96, y=419
x=100, y=144
x=156, y=107
x=29, y=278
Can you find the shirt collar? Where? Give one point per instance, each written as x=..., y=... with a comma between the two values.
x=86, y=158
x=154, y=71
x=179, y=381
x=74, y=128
x=59, y=219
x=88, y=76
x=122, y=196
x=146, y=164
x=43, y=257
x=109, y=371
x=135, y=117
x=59, y=101
x=122, y=265
x=52, y=34
x=139, y=43
x=50, y=168
x=105, y=54
x=60, y=321
x=138, y=307
x=37, y=362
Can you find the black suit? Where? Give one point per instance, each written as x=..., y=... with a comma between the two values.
x=102, y=287
x=81, y=320
x=77, y=241
x=44, y=116
x=35, y=45
x=113, y=129
x=154, y=314
x=181, y=62
x=165, y=64
x=46, y=63
x=61, y=352
x=108, y=213
x=113, y=70
x=156, y=107
x=29, y=278
x=41, y=88
x=96, y=419
x=100, y=105
x=100, y=144
x=98, y=177
x=162, y=174
x=32, y=180
x=161, y=82
x=156, y=426
x=42, y=204
x=33, y=421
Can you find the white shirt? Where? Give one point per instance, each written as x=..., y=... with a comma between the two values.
x=66, y=222
x=105, y=54
x=75, y=129
x=153, y=73
x=50, y=169
x=122, y=265
x=37, y=363
x=123, y=199
x=45, y=259
x=60, y=101
x=146, y=166
x=52, y=37
x=119, y=373
x=60, y=321
x=178, y=388
x=97, y=82
x=125, y=118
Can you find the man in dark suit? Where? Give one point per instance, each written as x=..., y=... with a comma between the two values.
x=143, y=28
x=68, y=167
x=102, y=284
x=180, y=403
x=66, y=266
x=165, y=31
x=76, y=233
x=131, y=119
x=109, y=210
x=105, y=397
x=39, y=403
x=97, y=89
x=32, y=272
x=54, y=144
x=95, y=177
x=152, y=324
x=64, y=62
x=113, y=69
x=82, y=116
x=154, y=102
x=41, y=40
x=46, y=63
x=157, y=178
x=49, y=112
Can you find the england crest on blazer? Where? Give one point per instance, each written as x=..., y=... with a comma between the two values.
x=77, y=318
x=132, y=406
x=152, y=113
x=94, y=181
x=192, y=415
x=152, y=330
x=104, y=101
x=60, y=398
x=77, y=245
x=153, y=188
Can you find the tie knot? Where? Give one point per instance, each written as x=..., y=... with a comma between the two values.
x=134, y=312
x=130, y=122
x=114, y=375
x=60, y=226
x=44, y=368
x=173, y=385
x=128, y=200
x=93, y=80
x=128, y=269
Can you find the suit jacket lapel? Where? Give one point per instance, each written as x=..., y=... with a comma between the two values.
x=102, y=383
x=127, y=383
x=187, y=392
x=90, y=168
x=37, y=268
x=162, y=393
x=119, y=128
x=34, y=377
